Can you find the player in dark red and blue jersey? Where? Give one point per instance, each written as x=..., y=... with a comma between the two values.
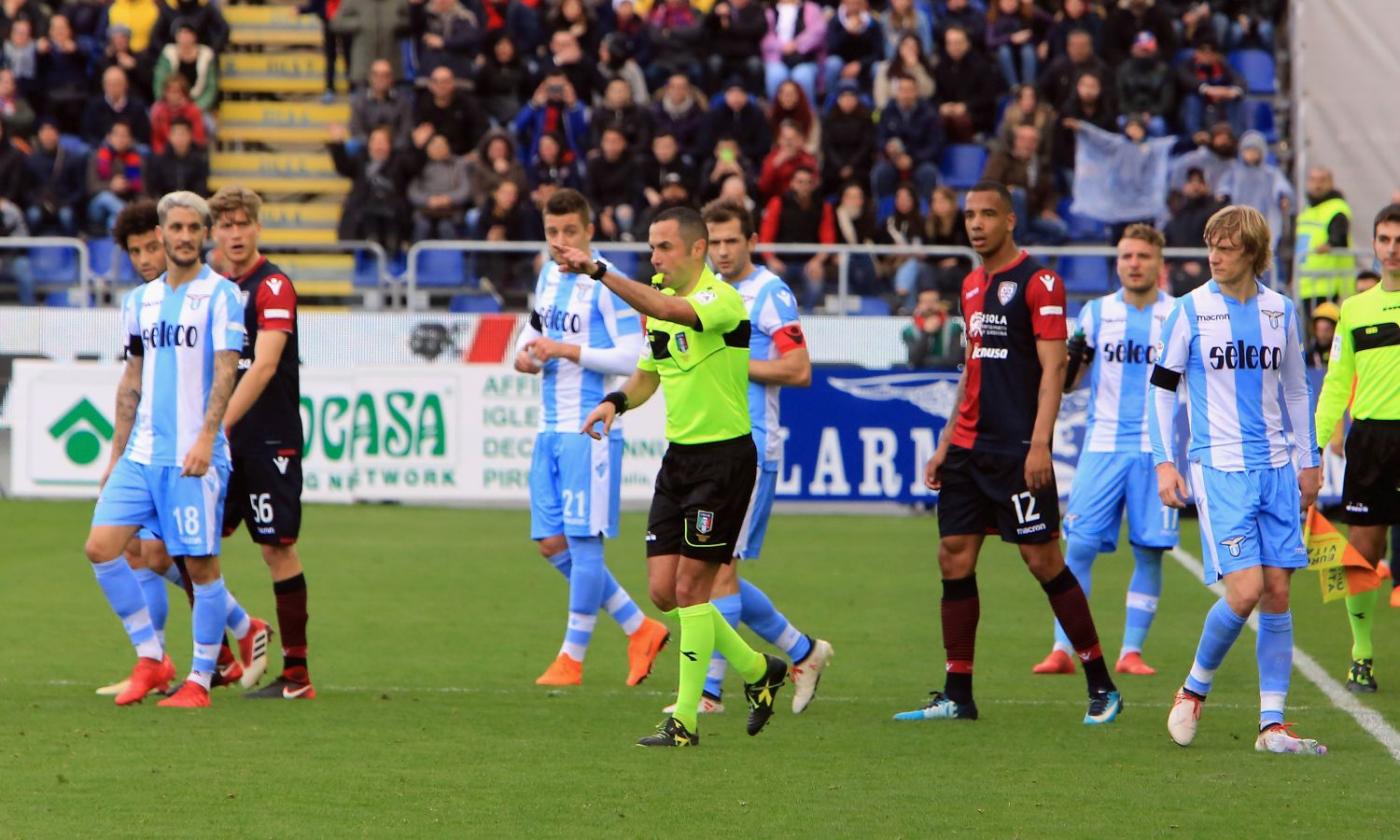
x=264, y=429
x=993, y=468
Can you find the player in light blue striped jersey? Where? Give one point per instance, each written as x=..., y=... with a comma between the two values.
x=185, y=332
x=1236, y=345
x=1116, y=345
x=580, y=337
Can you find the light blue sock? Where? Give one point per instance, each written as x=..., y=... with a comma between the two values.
x=1143, y=592
x=772, y=626
x=1080, y=554
x=729, y=606
x=1221, y=629
x=235, y=617
x=207, y=626
x=585, y=594
x=157, y=604
x=172, y=574
x=1274, y=650
x=615, y=599
x=124, y=593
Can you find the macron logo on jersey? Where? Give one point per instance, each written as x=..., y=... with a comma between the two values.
x=163, y=334
x=1048, y=280
x=1237, y=355
x=275, y=285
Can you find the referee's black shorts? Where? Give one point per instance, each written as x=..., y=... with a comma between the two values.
x=1371, y=488
x=986, y=493
x=702, y=495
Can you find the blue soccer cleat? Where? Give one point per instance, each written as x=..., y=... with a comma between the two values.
x=1104, y=707
x=941, y=707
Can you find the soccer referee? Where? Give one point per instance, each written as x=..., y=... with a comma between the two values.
x=1367, y=347
x=698, y=353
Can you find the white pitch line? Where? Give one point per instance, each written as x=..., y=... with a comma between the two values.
x=1367, y=718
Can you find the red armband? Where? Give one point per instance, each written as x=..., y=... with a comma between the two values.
x=789, y=338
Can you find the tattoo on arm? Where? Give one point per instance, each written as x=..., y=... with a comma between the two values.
x=225, y=368
x=128, y=398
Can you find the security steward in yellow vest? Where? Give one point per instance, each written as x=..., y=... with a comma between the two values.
x=1324, y=267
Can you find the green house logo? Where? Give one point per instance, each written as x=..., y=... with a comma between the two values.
x=86, y=430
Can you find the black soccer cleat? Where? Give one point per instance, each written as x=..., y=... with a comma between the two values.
x=1360, y=680
x=282, y=688
x=764, y=693
x=671, y=733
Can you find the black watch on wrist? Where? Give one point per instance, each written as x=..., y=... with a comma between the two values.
x=600, y=268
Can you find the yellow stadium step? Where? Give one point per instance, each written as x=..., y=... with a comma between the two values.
x=298, y=216
x=297, y=236
x=263, y=26
x=279, y=122
x=318, y=274
x=287, y=73
x=278, y=172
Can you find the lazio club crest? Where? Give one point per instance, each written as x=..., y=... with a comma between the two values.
x=1006, y=290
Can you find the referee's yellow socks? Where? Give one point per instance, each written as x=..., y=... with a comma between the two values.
x=697, y=643
x=1361, y=610
x=748, y=662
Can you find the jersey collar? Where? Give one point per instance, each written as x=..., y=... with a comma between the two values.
x=262, y=258
x=1019, y=259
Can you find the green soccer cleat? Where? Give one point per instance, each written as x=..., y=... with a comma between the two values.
x=1104, y=707
x=671, y=733
x=941, y=707
x=762, y=694
x=1360, y=680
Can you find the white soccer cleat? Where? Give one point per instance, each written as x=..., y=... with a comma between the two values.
x=806, y=676
x=1278, y=739
x=708, y=706
x=1185, y=714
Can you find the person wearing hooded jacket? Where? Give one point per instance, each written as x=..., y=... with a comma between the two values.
x=1253, y=181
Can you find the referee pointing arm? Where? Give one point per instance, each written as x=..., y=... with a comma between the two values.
x=698, y=353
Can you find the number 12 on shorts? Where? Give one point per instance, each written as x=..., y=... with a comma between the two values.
x=1024, y=505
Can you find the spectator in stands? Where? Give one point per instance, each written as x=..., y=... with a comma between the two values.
x=945, y=228
x=193, y=61
x=734, y=33
x=139, y=19
x=615, y=61
x=787, y=158
x=13, y=267
x=375, y=208
x=1201, y=19
x=735, y=188
x=910, y=136
x=681, y=111
x=554, y=163
x=1145, y=86
x=791, y=105
x=494, y=160
x=1324, y=328
x=1016, y=31
x=666, y=159
x=452, y=112
x=1187, y=229
x=1252, y=181
x=374, y=28
x=116, y=175
x=1073, y=16
x=116, y=103
x=1213, y=154
x=904, y=226
x=959, y=14
x=56, y=175
x=1211, y=90
x=905, y=17
x=675, y=192
x=446, y=34
x=332, y=42
x=967, y=86
x=381, y=103
x=439, y=193
x=1128, y=20
x=1032, y=185
x=65, y=75
x=1025, y=108
x=794, y=46
x=1251, y=23
x=848, y=144
x=855, y=225
x=21, y=55
x=554, y=106
x=854, y=42
x=1057, y=82
x=1089, y=103
x=934, y=338
x=15, y=111
x=16, y=181
x=175, y=105
x=118, y=53
x=618, y=109
x=1120, y=179
x=566, y=56
x=210, y=27
x=799, y=215
x=677, y=34
x=181, y=166
x=502, y=80
x=505, y=218
x=737, y=116
x=727, y=161
x=909, y=60
x=573, y=17
x=632, y=29
x=614, y=184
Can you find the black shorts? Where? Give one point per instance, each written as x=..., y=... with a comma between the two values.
x=1370, y=495
x=264, y=491
x=702, y=496
x=986, y=493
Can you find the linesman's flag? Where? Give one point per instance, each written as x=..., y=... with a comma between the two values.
x=1341, y=569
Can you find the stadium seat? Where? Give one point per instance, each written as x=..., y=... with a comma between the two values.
x=441, y=269
x=1088, y=275
x=1260, y=116
x=961, y=165
x=1257, y=68
x=366, y=270
x=53, y=265
x=872, y=305
x=100, y=251
x=474, y=303
x=1085, y=229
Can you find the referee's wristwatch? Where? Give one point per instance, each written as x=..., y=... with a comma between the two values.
x=599, y=269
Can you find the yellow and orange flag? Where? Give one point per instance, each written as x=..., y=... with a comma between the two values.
x=1341, y=569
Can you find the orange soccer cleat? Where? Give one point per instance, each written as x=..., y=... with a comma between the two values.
x=191, y=695
x=148, y=675
x=642, y=648
x=1058, y=662
x=562, y=671
x=1131, y=663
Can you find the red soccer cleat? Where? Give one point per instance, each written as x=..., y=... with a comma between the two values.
x=252, y=652
x=191, y=695
x=148, y=675
x=1058, y=662
x=1131, y=663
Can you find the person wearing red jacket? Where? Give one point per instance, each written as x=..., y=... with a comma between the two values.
x=799, y=215
x=786, y=158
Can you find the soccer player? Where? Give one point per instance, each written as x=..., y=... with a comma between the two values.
x=1236, y=345
x=580, y=335
x=264, y=429
x=1116, y=345
x=1366, y=349
x=993, y=468
x=184, y=331
x=135, y=233
x=777, y=356
x=698, y=353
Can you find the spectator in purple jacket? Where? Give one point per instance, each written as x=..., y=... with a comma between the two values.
x=794, y=46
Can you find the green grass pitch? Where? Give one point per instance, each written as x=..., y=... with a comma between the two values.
x=428, y=627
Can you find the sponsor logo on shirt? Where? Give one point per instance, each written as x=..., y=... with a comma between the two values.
x=706, y=296
x=990, y=353
x=554, y=318
x=1129, y=352
x=1358, y=507
x=163, y=334
x=986, y=323
x=1238, y=355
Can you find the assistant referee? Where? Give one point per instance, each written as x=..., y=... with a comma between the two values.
x=698, y=353
x=1367, y=348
